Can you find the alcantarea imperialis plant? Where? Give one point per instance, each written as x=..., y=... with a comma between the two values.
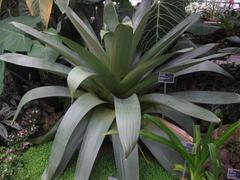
x=114, y=80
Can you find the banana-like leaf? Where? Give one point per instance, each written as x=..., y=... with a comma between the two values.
x=14, y=40
x=128, y=169
x=45, y=7
x=206, y=66
x=140, y=19
x=183, y=120
x=42, y=92
x=27, y=61
x=110, y=17
x=128, y=117
x=76, y=77
x=47, y=39
x=44, y=52
x=162, y=45
x=99, y=124
x=68, y=125
x=182, y=106
x=121, y=50
x=90, y=39
x=165, y=155
x=165, y=15
x=208, y=97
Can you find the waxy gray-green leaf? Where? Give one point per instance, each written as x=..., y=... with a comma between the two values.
x=99, y=124
x=69, y=123
x=128, y=117
x=208, y=97
x=182, y=106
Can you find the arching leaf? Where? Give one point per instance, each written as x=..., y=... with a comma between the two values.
x=99, y=124
x=128, y=117
x=182, y=106
x=42, y=92
x=70, y=122
x=76, y=77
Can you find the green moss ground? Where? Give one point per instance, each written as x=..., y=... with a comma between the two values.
x=35, y=160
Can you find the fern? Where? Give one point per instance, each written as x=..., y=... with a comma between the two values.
x=165, y=14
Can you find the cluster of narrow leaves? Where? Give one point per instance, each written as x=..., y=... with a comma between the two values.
x=109, y=84
x=200, y=163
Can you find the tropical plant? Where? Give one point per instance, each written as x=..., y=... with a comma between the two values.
x=201, y=162
x=164, y=16
x=114, y=82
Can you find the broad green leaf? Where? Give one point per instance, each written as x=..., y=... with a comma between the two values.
x=76, y=77
x=3, y=131
x=14, y=40
x=121, y=50
x=165, y=42
x=90, y=39
x=99, y=124
x=110, y=17
x=164, y=16
x=27, y=61
x=47, y=39
x=206, y=66
x=43, y=52
x=128, y=169
x=128, y=117
x=42, y=92
x=1, y=3
x=208, y=97
x=68, y=125
x=45, y=7
x=181, y=105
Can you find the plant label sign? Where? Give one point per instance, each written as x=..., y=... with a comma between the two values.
x=189, y=146
x=165, y=77
x=233, y=174
x=112, y=178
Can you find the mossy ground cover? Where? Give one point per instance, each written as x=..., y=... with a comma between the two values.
x=35, y=160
